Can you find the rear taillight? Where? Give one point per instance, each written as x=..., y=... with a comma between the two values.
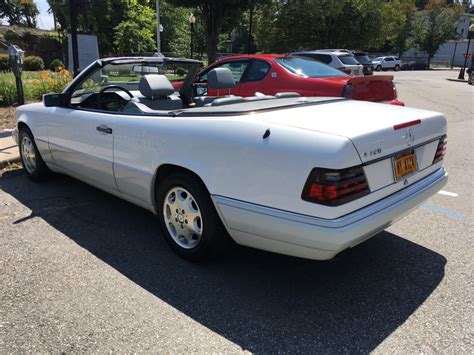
x=345, y=70
x=335, y=187
x=348, y=92
x=441, y=150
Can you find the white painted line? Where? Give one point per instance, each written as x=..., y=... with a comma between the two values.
x=452, y=194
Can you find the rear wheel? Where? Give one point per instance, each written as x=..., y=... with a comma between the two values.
x=31, y=159
x=188, y=218
x=397, y=67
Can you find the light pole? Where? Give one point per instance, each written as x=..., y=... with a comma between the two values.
x=192, y=21
x=158, y=26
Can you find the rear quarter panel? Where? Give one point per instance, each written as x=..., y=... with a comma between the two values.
x=230, y=156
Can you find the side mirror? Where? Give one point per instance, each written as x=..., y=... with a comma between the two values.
x=56, y=100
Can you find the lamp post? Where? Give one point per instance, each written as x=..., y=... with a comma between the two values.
x=192, y=21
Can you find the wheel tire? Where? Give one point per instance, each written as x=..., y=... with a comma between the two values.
x=378, y=68
x=397, y=67
x=213, y=238
x=33, y=163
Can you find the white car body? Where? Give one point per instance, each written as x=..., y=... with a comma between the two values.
x=255, y=183
x=341, y=60
x=388, y=62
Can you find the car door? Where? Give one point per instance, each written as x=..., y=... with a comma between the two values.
x=82, y=143
x=388, y=63
x=81, y=139
x=255, y=79
x=236, y=66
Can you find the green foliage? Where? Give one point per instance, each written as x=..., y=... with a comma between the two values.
x=135, y=34
x=33, y=63
x=19, y=14
x=312, y=24
x=12, y=37
x=8, y=96
x=435, y=25
x=35, y=85
x=4, y=63
x=56, y=64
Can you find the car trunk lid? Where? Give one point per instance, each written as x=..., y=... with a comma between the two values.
x=371, y=127
x=373, y=88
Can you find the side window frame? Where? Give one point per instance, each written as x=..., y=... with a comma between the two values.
x=220, y=64
x=244, y=77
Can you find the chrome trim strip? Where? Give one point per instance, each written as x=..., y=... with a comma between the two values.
x=136, y=170
x=407, y=193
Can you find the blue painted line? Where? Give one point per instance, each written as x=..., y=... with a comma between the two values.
x=448, y=213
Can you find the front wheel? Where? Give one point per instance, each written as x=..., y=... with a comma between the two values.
x=378, y=68
x=188, y=218
x=31, y=159
x=397, y=67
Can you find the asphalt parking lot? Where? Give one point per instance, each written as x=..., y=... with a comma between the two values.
x=82, y=271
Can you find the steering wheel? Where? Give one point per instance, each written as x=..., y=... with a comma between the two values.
x=105, y=88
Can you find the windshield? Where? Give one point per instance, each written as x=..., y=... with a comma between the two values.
x=348, y=59
x=378, y=59
x=363, y=58
x=128, y=75
x=308, y=68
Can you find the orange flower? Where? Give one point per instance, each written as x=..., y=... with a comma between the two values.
x=35, y=81
x=45, y=75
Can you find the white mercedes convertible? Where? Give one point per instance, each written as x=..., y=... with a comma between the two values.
x=308, y=177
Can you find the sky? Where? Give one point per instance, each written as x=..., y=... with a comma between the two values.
x=45, y=20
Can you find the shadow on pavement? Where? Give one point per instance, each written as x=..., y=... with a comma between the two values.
x=260, y=301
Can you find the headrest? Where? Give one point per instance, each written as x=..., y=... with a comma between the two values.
x=153, y=85
x=220, y=78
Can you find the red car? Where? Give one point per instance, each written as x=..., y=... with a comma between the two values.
x=273, y=73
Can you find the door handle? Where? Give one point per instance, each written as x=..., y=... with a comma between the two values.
x=104, y=128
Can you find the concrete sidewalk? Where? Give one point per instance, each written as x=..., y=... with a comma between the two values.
x=8, y=149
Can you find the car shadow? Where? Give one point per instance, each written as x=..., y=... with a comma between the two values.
x=261, y=301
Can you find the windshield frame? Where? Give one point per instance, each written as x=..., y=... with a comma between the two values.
x=101, y=63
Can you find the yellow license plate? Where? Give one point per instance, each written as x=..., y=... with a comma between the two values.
x=404, y=165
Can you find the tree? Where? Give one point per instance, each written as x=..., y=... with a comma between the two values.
x=435, y=25
x=217, y=15
x=135, y=34
x=19, y=14
x=311, y=24
x=397, y=18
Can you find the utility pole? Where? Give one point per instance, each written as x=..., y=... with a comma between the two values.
x=249, y=42
x=75, y=50
x=158, y=41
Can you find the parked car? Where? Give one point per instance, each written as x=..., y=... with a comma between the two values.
x=273, y=73
x=307, y=177
x=339, y=59
x=363, y=58
x=415, y=65
x=386, y=63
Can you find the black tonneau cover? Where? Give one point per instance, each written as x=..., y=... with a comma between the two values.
x=255, y=106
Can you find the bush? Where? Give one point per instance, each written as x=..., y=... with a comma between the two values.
x=181, y=71
x=8, y=96
x=33, y=63
x=4, y=63
x=45, y=83
x=56, y=64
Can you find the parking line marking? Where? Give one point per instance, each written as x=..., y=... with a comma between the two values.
x=447, y=193
x=448, y=213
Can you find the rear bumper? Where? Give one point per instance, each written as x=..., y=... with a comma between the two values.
x=316, y=238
